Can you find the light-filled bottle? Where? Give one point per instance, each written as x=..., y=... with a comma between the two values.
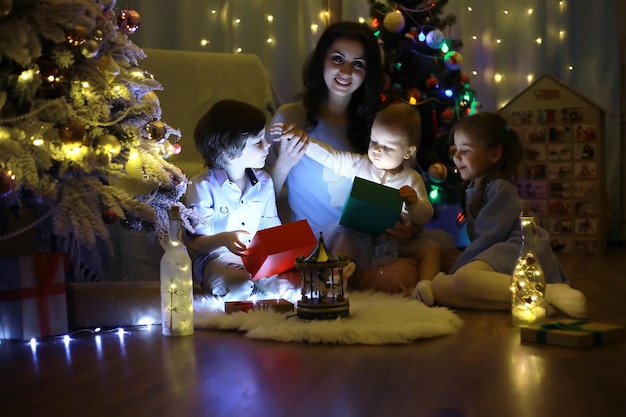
x=176, y=282
x=528, y=286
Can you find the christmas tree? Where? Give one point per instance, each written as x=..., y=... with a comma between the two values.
x=424, y=68
x=81, y=141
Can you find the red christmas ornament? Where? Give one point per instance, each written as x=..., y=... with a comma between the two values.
x=176, y=148
x=72, y=133
x=51, y=85
x=77, y=36
x=48, y=70
x=447, y=115
x=128, y=21
x=7, y=182
x=412, y=34
x=432, y=83
x=453, y=60
x=109, y=216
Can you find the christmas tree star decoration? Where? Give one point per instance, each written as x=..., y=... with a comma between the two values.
x=79, y=124
x=424, y=68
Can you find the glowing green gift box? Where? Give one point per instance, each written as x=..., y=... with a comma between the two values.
x=371, y=207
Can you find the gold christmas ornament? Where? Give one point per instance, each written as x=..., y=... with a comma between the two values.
x=155, y=130
x=110, y=144
x=107, y=64
x=394, y=21
x=134, y=182
x=152, y=100
x=97, y=35
x=90, y=48
x=437, y=172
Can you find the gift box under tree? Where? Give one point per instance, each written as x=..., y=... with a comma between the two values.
x=33, y=296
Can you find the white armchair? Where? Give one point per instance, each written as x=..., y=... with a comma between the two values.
x=193, y=81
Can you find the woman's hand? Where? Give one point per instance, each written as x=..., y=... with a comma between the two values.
x=403, y=231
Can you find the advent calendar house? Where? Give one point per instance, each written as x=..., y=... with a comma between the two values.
x=562, y=173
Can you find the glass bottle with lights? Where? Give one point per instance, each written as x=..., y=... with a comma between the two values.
x=528, y=302
x=176, y=282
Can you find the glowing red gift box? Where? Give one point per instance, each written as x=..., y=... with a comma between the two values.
x=279, y=306
x=274, y=250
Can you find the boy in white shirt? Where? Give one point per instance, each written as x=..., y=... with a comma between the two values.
x=234, y=194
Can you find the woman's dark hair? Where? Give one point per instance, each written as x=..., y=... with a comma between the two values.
x=491, y=130
x=221, y=134
x=366, y=100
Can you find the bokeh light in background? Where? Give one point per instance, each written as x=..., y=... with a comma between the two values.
x=507, y=46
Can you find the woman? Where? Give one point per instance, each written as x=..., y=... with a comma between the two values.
x=343, y=81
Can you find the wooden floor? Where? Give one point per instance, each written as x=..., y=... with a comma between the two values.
x=482, y=371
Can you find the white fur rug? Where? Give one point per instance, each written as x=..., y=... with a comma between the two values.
x=375, y=318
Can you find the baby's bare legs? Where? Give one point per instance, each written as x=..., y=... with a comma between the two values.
x=428, y=266
x=428, y=261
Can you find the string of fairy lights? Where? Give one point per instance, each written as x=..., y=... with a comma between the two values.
x=490, y=30
x=486, y=74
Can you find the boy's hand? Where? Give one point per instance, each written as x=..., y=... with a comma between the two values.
x=234, y=241
x=409, y=195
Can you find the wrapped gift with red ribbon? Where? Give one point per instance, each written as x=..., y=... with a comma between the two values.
x=33, y=296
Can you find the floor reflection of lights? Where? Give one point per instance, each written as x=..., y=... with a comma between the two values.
x=526, y=373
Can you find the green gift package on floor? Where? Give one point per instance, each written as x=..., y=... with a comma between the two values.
x=573, y=333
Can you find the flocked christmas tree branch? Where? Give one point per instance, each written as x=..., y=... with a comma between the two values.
x=81, y=138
